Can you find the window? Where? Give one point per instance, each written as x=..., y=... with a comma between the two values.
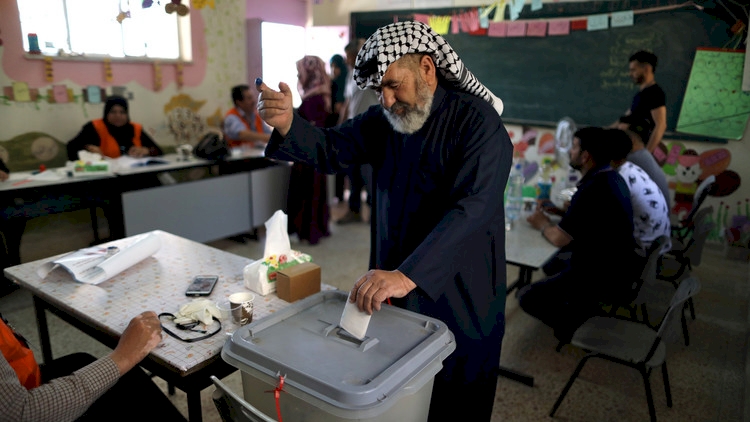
x=92, y=28
x=280, y=64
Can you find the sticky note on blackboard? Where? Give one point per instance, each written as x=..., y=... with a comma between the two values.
x=21, y=92
x=60, y=93
x=622, y=19
x=597, y=22
x=517, y=29
x=536, y=5
x=419, y=17
x=536, y=29
x=497, y=29
x=93, y=94
x=559, y=27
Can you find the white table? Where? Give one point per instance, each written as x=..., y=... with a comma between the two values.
x=157, y=283
x=526, y=248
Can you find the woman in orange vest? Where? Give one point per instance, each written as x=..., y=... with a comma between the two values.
x=114, y=135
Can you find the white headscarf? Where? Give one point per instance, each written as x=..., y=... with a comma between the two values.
x=393, y=41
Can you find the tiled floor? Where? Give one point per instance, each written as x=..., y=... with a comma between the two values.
x=707, y=377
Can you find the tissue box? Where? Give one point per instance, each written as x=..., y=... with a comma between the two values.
x=297, y=282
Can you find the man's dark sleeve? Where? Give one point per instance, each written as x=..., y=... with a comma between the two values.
x=657, y=98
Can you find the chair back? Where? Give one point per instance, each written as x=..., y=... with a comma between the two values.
x=650, y=270
x=701, y=192
x=703, y=214
x=694, y=250
x=669, y=329
x=234, y=408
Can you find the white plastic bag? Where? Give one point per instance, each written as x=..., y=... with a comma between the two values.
x=260, y=275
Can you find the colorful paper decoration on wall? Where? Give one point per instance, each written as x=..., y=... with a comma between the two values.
x=60, y=94
x=93, y=94
x=200, y=4
x=122, y=16
x=177, y=6
x=107, y=70
x=49, y=74
x=21, y=92
x=157, y=76
x=179, y=74
x=34, y=44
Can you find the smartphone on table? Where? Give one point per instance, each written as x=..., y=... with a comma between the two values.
x=202, y=285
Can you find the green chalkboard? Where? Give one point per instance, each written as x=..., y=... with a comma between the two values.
x=583, y=75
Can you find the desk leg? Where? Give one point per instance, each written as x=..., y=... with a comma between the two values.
x=194, y=406
x=524, y=279
x=41, y=321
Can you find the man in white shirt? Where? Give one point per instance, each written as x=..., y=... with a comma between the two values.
x=650, y=209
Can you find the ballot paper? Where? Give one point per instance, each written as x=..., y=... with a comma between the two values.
x=354, y=321
x=98, y=264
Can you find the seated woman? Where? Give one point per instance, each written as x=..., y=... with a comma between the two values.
x=114, y=135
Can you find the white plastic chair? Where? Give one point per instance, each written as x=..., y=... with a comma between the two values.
x=632, y=344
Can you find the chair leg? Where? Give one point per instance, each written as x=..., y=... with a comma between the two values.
x=645, y=314
x=667, y=390
x=649, y=396
x=684, y=329
x=568, y=385
x=692, y=308
x=94, y=224
x=559, y=346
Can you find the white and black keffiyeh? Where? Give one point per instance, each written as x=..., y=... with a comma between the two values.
x=393, y=41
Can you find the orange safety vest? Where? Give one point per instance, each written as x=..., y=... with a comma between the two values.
x=20, y=358
x=258, y=126
x=107, y=143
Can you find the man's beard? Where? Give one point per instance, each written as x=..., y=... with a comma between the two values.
x=413, y=117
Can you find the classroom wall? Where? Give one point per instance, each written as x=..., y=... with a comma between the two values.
x=291, y=12
x=728, y=161
x=35, y=132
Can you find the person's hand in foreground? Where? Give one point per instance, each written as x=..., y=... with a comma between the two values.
x=139, y=338
x=376, y=286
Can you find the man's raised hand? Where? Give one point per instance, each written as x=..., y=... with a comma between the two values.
x=275, y=107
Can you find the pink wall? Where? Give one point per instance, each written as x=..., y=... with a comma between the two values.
x=291, y=12
x=92, y=73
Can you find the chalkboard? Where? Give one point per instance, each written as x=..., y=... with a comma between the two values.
x=583, y=75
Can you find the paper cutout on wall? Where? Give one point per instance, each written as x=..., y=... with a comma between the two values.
x=516, y=29
x=441, y=24
x=499, y=15
x=536, y=29
x=597, y=22
x=49, y=74
x=559, y=27
x=714, y=103
x=536, y=5
x=60, y=94
x=107, y=70
x=620, y=19
x=497, y=29
x=579, y=25
x=178, y=75
x=93, y=94
x=21, y=92
x=157, y=75
x=119, y=91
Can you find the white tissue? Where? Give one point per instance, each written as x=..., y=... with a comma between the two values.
x=354, y=321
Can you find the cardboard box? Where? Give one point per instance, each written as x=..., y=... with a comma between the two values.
x=298, y=282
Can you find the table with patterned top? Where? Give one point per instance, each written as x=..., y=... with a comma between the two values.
x=157, y=283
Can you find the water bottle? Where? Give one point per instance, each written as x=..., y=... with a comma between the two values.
x=514, y=202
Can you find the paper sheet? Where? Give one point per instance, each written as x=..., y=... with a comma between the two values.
x=354, y=321
x=98, y=264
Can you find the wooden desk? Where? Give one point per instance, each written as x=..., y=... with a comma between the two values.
x=157, y=283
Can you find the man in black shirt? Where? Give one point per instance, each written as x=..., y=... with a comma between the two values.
x=649, y=103
x=598, y=228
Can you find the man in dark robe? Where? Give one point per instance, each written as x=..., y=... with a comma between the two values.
x=441, y=158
